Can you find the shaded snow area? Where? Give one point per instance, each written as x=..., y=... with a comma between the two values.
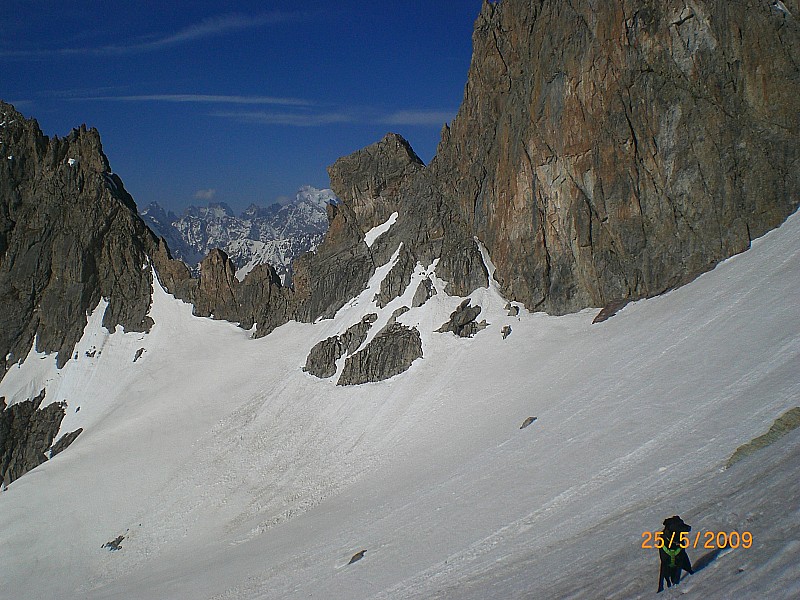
x=231, y=474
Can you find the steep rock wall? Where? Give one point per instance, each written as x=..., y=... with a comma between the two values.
x=611, y=150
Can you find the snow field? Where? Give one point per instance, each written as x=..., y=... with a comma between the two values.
x=252, y=479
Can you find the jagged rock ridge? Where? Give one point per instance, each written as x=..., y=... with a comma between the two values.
x=69, y=235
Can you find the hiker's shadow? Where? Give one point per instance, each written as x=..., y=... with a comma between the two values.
x=705, y=560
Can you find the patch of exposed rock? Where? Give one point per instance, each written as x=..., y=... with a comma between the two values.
x=787, y=422
x=425, y=291
x=26, y=434
x=397, y=279
x=321, y=360
x=462, y=320
x=64, y=441
x=390, y=353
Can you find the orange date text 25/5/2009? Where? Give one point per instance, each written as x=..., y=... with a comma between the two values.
x=707, y=539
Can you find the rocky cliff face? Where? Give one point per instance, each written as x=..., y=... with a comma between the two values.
x=69, y=235
x=388, y=177
x=613, y=150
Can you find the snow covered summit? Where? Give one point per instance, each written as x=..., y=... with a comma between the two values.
x=276, y=234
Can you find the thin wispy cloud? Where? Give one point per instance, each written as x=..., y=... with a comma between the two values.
x=207, y=28
x=202, y=99
x=363, y=116
x=288, y=118
x=419, y=117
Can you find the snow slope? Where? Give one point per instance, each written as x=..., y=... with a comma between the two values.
x=232, y=474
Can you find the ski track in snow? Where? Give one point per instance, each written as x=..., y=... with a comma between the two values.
x=234, y=475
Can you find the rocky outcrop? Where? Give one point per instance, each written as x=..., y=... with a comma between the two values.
x=65, y=441
x=338, y=270
x=425, y=291
x=462, y=321
x=388, y=177
x=603, y=151
x=69, y=235
x=26, y=434
x=397, y=279
x=321, y=360
x=609, y=310
x=615, y=150
x=390, y=353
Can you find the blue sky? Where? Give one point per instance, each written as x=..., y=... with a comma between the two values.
x=235, y=102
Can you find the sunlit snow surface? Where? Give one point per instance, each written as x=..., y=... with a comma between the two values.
x=234, y=475
x=377, y=231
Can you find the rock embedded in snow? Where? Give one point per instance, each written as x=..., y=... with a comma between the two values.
x=609, y=310
x=462, y=320
x=425, y=291
x=506, y=331
x=26, y=433
x=115, y=544
x=788, y=421
x=321, y=360
x=390, y=353
x=64, y=441
x=357, y=556
x=397, y=279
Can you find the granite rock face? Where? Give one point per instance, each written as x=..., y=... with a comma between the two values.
x=69, y=235
x=615, y=150
x=388, y=354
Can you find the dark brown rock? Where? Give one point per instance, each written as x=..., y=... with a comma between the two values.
x=397, y=279
x=609, y=310
x=427, y=227
x=64, y=441
x=388, y=354
x=26, y=433
x=462, y=320
x=425, y=291
x=69, y=235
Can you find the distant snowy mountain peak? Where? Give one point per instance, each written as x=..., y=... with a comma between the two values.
x=274, y=234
